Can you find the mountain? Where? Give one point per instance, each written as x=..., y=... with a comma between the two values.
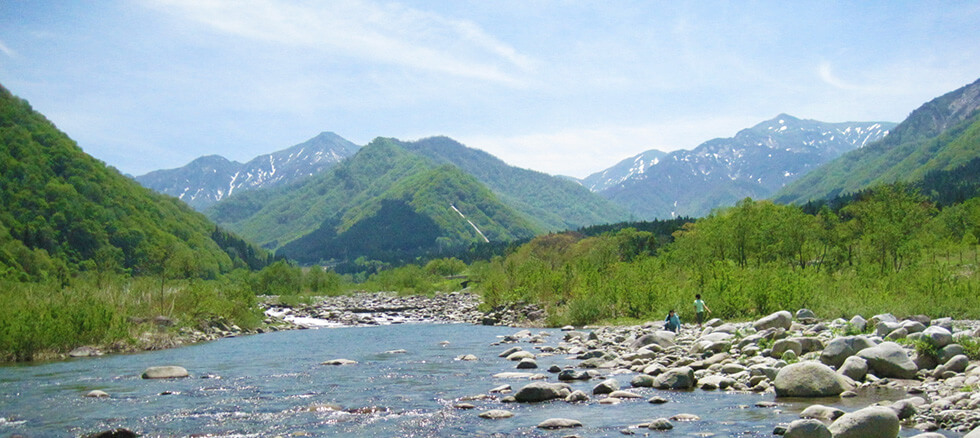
x=941, y=135
x=554, y=203
x=755, y=163
x=63, y=212
x=211, y=178
x=627, y=169
x=387, y=202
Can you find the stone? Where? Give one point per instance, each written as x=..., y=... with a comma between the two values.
x=520, y=355
x=782, y=319
x=889, y=360
x=676, y=378
x=715, y=382
x=467, y=358
x=662, y=338
x=96, y=393
x=783, y=345
x=805, y=314
x=642, y=381
x=338, y=362
x=957, y=364
x=807, y=428
x=527, y=364
x=117, y=433
x=541, y=391
x=685, y=418
x=904, y=409
x=948, y=352
x=165, y=372
x=510, y=351
x=577, y=396
x=809, y=379
x=559, y=423
x=567, y=375
x=821, y=412
x=624, y=395
x=939, y=337
x=858, y=322
x=854, y=368
x=975, y=433
x=605, y=387
x=839, y=349
x=657, y=400
x=85, y=351
x=660, y=424
x=496, y=414
x=870, y=422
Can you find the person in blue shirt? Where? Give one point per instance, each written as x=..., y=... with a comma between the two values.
x=672, y=323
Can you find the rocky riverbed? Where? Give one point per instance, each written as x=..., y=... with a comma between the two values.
x=801, y=357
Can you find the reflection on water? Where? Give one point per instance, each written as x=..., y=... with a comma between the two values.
x=273, y=384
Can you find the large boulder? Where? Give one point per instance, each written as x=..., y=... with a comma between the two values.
x=165, y=372
x=661, y=338
x=809, y=379
x=676, y=378
x=870, y=422
x=889, y=360
x=781, y=319
x=541, y=391
x=841, y=348
x=807, y=428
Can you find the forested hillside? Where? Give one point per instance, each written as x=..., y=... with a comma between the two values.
x=385, y=203
x=78, y=239
x=941, y=135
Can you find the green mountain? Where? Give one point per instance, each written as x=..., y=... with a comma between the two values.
x=553, y=202
x=63, y=212
x=941, y=135
x=386, y=202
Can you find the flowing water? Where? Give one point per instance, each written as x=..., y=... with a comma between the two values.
x=273, y=385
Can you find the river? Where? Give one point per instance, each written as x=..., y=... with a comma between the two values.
x=272, y=384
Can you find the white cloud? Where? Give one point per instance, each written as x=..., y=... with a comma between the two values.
x=7, y=50
x=389, y=34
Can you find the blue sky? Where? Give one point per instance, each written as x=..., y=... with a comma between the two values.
x=563, y=87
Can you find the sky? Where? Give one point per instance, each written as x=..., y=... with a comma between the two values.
x=562, y=87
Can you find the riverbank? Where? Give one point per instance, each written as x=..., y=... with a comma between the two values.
x=925, y=379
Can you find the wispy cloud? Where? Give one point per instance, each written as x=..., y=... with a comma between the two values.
x=7, y=50
x=388, y=34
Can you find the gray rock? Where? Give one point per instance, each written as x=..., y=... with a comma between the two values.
x=854, y=368
x=899, y=333
x=975, y=433
x=496, y=414
x=782, y=319
x=661, y=338
x=85, y=351
x=809, y=379
x=885, y=327
x=559, y=423
x=605, y=387
x=870, y=422
x=957, y=364
x=541, y=391
x=520, y=355
x=805, y=314
x=913, y=326
x=624, y=395
x=859, y=323
x=165, y=372
x=657, y=400
x=841, y=348
x=568, y=375
x=577, y=396
x=96, y=393
x=904, y=409
x=338, y=362
x=676, y=378
x=642, y=381
x=467, y=358
x=889, y=360
x=821, y=412
x=884, y=317
x=783, y=345
x=946, y=353
x=715, y=382
x=807, y=428
x=809, y=343
x=939, y=337
x=660, y=424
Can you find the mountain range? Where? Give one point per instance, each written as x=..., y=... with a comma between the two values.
x=942, y=135
x=212, y=178
x=755, y=163
x=395, y=200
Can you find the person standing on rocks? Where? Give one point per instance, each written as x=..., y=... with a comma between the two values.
x=699, y=308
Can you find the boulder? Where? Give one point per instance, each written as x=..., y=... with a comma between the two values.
x=807, y=428
x=939, y=337
x=957, y=364
x=715, y=382
x=338, y=362
x=948, y=352
x=805, y=314
x=559, y=423
x=96, y=393
x=660, y=424
x=527, y=364
x=642, y=381
x=854, y=368
x=782, y=319
x=841, y=348
x=606, y=387
x=809, y=343
x=809, y=379
x=165, y=372
x=783, y=345
x=858, y=322
x=821, y=412
x=496, y=414
x=889, y=360
x=676, y=378
x=577, y=396
x=541, y=391
x=870, y=422
x=662, y=338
